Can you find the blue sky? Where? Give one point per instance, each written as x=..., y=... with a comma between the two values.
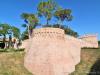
x=86, y=13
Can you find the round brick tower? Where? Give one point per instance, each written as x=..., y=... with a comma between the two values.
x=49, y=53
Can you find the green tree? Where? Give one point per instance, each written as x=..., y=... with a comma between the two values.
x=67, y=30
x=4, y=30
x=31, y=22
x=16, y=32
x=24, y=35
x=71, y=32
x=46, y=9
x=63, y=14
x=11, y=31
x=99, y=42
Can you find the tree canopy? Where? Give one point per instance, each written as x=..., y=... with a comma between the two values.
x=46, y=8
x=31, y=22
x=49, y=9
x=7, y=30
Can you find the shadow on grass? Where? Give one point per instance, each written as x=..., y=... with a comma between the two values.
x=11, y=50
x=95, y=70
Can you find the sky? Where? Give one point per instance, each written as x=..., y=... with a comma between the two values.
x=86, y=13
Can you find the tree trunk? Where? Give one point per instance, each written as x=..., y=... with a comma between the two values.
x=28, y=32
x=10, y=41
x=47, y=22
x=4, y=40
x=61, y=23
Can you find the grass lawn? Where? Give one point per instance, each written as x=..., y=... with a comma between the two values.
x=90, y=63
x=11, y=63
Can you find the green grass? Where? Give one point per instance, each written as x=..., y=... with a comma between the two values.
x=11, y=50
x=11, y=62
x=89, y=57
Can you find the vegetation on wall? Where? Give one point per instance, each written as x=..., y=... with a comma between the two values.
x=48, y=9
x=31, y=21
x=67, y=30
x=24, y=35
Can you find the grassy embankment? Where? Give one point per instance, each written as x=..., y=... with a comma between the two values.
x=90, y=62
x=11, y=63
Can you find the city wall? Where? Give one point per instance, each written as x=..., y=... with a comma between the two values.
x=51, y=52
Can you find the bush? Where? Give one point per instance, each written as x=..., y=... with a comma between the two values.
x=21, y=49
x=99, y=43
x=90, y=48
x=11, y=50
x=3, y=50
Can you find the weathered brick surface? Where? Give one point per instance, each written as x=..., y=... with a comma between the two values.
x=51, y=52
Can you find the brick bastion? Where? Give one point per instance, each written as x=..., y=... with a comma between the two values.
x=51, y=52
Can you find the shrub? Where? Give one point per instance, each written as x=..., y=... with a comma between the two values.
x=3, y=50
x=11, y=50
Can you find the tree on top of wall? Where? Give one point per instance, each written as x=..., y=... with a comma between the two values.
x=49, y=9
x=31, y=21
x=46, y=9
x=63, y=14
